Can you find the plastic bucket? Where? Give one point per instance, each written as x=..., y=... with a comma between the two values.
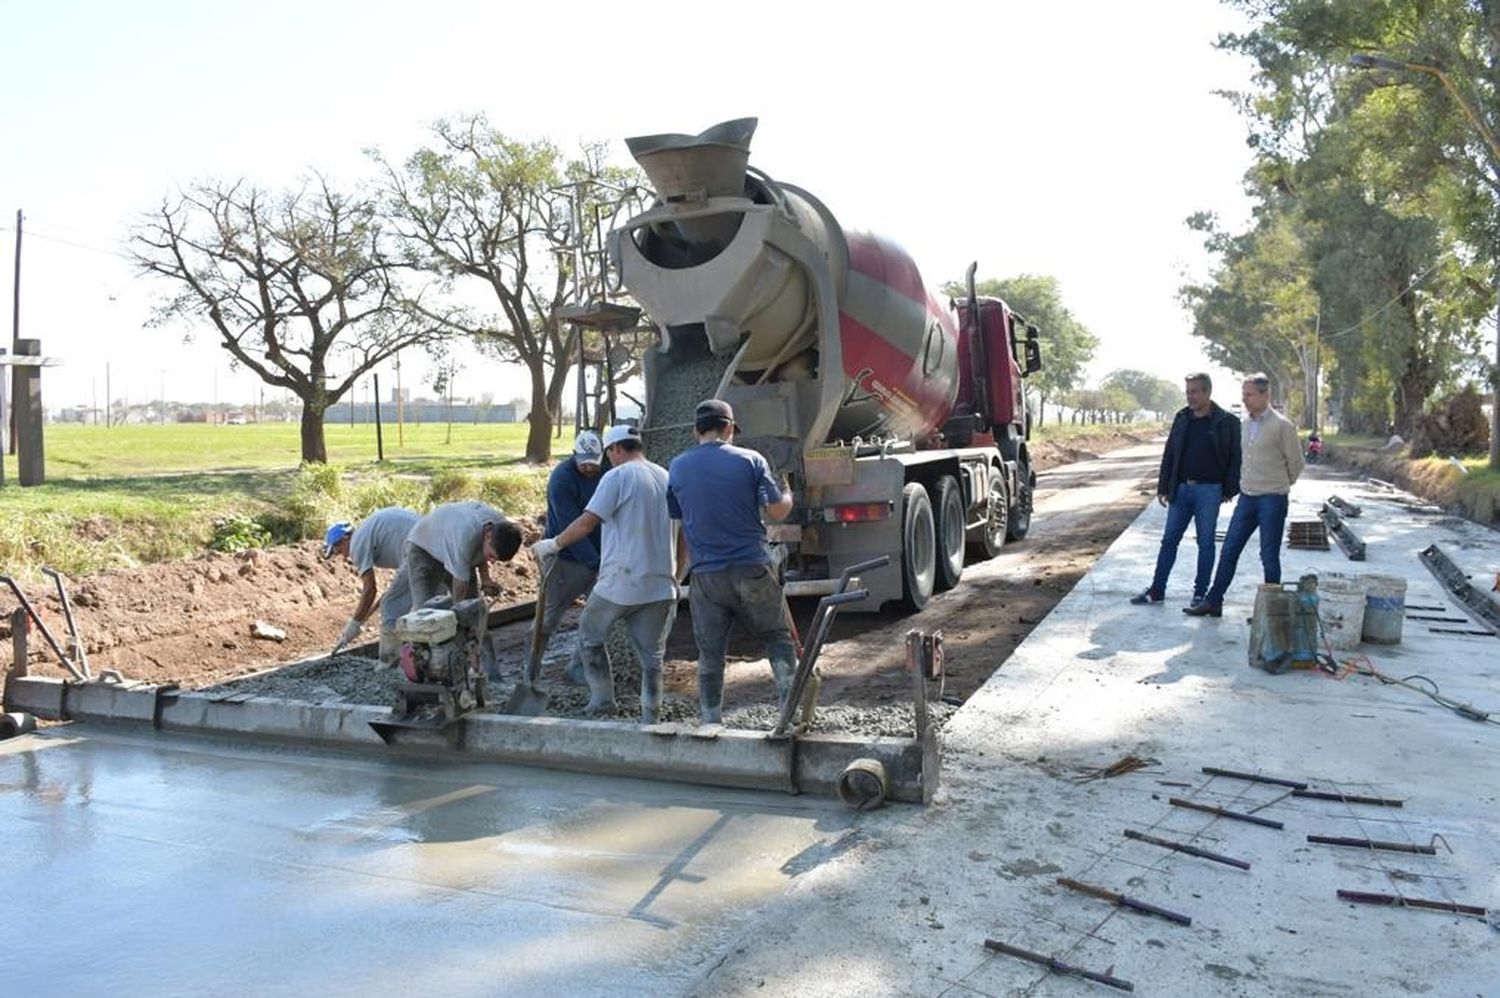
x=1341, y=609
x=1385, y=608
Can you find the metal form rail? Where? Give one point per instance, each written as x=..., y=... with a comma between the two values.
x=1348, y=541
x=1475, y=602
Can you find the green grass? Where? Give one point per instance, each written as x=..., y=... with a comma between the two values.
x=128, y=495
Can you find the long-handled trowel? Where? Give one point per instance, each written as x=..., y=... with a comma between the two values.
x=529, y=697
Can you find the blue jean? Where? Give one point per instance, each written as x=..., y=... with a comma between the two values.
x=1199, y=505
x=751, y=595
x=1264, y=513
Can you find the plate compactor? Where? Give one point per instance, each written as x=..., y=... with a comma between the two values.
x=444, y=658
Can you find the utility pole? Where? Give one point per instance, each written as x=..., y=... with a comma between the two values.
x=162, y=416
x=109, y=399
x=15, y=334
x=400, y=406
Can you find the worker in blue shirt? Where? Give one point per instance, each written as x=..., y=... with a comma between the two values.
x=569, y=489
x=721, y=493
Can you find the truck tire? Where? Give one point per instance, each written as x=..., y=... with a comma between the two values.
x=1020, y=510
x=948, y=511
x=996, y=528
x=918, y=547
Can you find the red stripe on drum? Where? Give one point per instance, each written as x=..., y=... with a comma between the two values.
x=884, y=261
x=892, y=376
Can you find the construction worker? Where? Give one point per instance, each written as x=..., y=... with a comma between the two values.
x=637, y=570
x=723, y=494
x=453, y=543
x=378, y=542
x=569, y=489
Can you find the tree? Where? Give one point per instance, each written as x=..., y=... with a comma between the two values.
x=1147, y=391
x=1412, y=88
x=1067, y=345
x=288, y=281
x=486, y=212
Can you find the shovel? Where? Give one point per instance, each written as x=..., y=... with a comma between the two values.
x=528, y=698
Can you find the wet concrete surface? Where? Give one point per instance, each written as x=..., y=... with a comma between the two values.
x=169, y=866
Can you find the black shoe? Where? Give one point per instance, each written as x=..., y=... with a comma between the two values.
x=1146, y=598
x=1196, y=600
x=1204, y=609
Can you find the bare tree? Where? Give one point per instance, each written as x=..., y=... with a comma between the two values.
x=513, y=220
x=289, y=281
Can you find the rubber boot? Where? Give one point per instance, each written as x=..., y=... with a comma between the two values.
x=601, y=684
x=574, y=674
x=650, y=696
x=389, y=655
x=783, y=671
x=710, y=697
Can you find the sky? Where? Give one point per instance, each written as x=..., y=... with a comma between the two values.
x=1063, y=139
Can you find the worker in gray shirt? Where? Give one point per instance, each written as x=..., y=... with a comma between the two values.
x=637, y=570
x=451, y=545
x=378, y=542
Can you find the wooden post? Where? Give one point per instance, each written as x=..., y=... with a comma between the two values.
x=20, y=665
x=27, y=408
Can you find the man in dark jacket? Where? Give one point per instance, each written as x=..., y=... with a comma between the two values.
x=1200, y=471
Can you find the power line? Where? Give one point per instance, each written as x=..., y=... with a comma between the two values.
x=1367, y=319
x=34, y=234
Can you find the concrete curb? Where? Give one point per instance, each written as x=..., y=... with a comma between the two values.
x=674, y=752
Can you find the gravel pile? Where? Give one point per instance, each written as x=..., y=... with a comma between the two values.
x=341, y=679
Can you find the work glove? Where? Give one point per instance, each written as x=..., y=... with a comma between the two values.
x=350, y=632
x=544, y=550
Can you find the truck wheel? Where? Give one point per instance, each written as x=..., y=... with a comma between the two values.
x=918, y=547
x=1020, y=510
x=948, y=505
x=997, y=521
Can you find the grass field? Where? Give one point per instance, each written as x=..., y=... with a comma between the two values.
x=121, y=495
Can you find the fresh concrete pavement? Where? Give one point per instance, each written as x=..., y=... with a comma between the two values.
x=149, y=864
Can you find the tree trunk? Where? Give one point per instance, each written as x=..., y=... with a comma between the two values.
x=539, y=437
x=314, y=448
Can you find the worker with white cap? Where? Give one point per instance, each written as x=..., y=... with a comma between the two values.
x=569, y=489
x=637, y=570
x=378, y=542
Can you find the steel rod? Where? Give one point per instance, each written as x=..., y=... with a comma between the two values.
x=1223, y=813
x=1392, y=900
x=1131, y=833
x=1335, y=840
x=1057, y=965
x=79, y=651
x=67, y=663
x=1124, y=900
x=1348, y=798
x=1252, y=777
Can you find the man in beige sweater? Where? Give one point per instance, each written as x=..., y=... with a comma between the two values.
x=1271, y=460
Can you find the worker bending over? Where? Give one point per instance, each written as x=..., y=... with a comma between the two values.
x=378, y=542
x=637, y=578
x=569, y=489
x=452, y=545
x=721, y=492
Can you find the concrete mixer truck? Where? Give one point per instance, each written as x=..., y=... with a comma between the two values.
x=897, y=415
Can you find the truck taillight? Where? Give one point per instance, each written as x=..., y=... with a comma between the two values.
x=863, y=512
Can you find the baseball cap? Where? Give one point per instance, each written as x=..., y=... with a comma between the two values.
x=714, y=410
x=623, y=431
x=336, y=533
x=587, y=449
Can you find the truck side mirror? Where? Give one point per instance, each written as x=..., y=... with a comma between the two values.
x=1033, y=351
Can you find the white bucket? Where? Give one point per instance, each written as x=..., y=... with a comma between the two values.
x=1341, y=609
x=1385, y=608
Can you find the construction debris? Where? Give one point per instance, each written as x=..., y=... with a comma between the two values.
x=1224, y=813
x=1335, y=840
x=1475, y=602
x=1057, y=966
x=1253, y=778
x=1129, y=764
x=1344, y=506
x=1349, y=542
x=1307, y=535
x=265, y=632
x=1124, y=900
x=1395, y=901
x=1182, y=847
